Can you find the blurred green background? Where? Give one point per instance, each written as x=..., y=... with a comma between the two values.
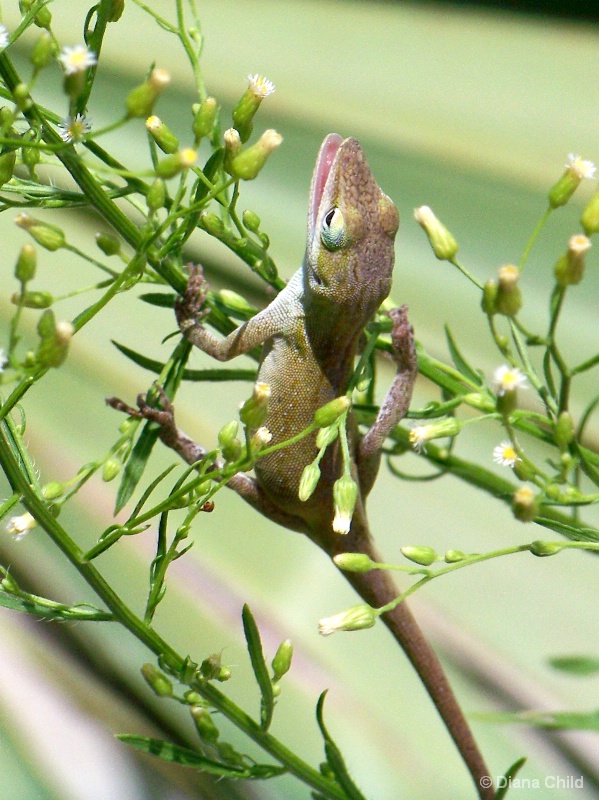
x=468, y=111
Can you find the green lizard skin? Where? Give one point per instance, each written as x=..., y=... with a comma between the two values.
x=310, y=335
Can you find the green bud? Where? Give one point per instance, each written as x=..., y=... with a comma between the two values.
x=108, y=244
x=193, y=698
x=43, y=51
x=177, y=162
x=211, y=666
x=116, y=9
x=353, y=619
x=253, y=412
x=330, y=413
x=9, y=584
x=236, y=304
x=523, y=470
x=43, y=18
x=590, y=216
x=539, y=548
x=508, y=298
x=33, y=299
x=259, y=87
x=507, y=402
x=354, y=562
x=260, y=439
x=112, y=467
x=569, y=269
x=453, y=556
x=74, y=83
x=48, y=236
x=525, y=504
x=444, y=245
x=21, y=97
x=421, y=434
x=326, y=436
x=564, y=430
x=224, y=674
x=308, y=481
x=204, y=119
x=345, y=494
x=205, y=726
x=230, y=446
x=213, y=224
x=53, y=348
x=156, y=196
x=162, y=135
x=420, y=555
x=281, y=662
x=489, y=298
x=140, y=101
x=46, y=326
x=157, y=680
x=251, y=221
x=247, y=165
x=26, y=264
x=7, y=166
x=31, y=158
x=553, y=491
x=232, y=147
x=576, y=170
x=53, y=490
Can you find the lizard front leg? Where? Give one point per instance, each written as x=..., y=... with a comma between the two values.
x=396, y=403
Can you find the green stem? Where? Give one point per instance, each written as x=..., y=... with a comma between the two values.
x=535, y=233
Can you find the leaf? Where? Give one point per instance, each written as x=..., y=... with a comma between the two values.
x=334, y=758
x=460, y=362
x=549, y=720
x=576, y=665
x=181, y=755
x=160, y=299
x=214, y=375
x=40, y=607
x=136, y=464
x=252, y=637
x=505, y=781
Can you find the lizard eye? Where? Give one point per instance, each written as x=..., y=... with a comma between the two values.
x=333, y=231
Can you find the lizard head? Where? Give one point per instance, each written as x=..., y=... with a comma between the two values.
x=351, y=230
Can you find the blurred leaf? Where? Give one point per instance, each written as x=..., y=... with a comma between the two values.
x=40, y=607
x=334, y=758
x=180, y=755
x=460, y=362
x=188, y=374
x=550, y=720
x=252, y=637
x=511, y=773
x=576, y=665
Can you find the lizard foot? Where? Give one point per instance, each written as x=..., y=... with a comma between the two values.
x=189, y=306
x=163, y=415
x=402, y=340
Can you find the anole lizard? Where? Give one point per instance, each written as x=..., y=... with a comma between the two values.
x=311, y=333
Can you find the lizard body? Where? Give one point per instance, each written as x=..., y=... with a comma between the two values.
x=311, y=332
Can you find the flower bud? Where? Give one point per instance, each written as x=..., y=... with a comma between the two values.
x=204, y=119
x=330, y=413
x=420, y=555
x=569, y=269
x=236, y=304
x=204, y=723
x=453, y=556
x=157, y=680
x=248, y=163
x=21, y=97
x=229, y=445
x=253, y=412
x=26, y=264
x=31, y=157
x=539, y=548
x=489, y=298
x=213, y=224
x=281, y=662
x=55, y=340
x=33, y=299
x=18, y=527
x=210, y=667
x=232, y=146
x=259, y=87
x=563, y=432
x=575, y=170
x=162, y=134
x=326, y=436
x=108, y=244
x=590, y=216
x=421, y=434
x=53, y=490
x=116, y=10
x=44, y=51
x=354, y=562
x=525, y=504
x=48, y=236
x=7, y=166
x=353, y=619
x=508, y=299
x=251, y=221
x=308, y=481
x=260, y=439
x=443, y=243
x=140, y=101
x=112, y=467
x=156, y=196
x=177, y=162
x=345, y=495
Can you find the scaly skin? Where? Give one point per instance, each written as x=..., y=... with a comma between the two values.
x=311, y=333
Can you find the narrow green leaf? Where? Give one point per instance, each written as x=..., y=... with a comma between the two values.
x=549, y=720
x=265, y=771
x=334, y=758
x=508, y=777
x=40, y=607
x=136, y=464
x=160, y=299
x=459, y=361
x=214, y=375
x=181, y=755
x=576, y=665
x=254, y=644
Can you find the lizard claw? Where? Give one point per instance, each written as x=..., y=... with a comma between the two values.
x=189, y=306
x=163, y=416
x=402, y=340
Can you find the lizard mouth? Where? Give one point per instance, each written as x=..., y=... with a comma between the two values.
x=326, y=157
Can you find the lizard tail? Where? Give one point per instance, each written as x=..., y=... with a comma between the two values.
x=377, y=588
